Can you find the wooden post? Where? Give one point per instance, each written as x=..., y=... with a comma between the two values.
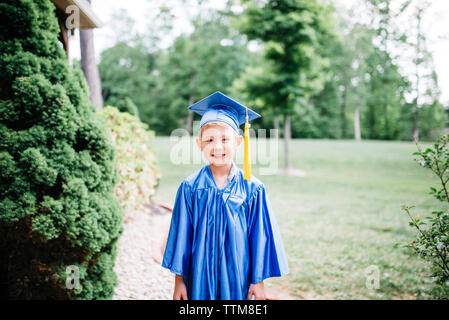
x=63, y=32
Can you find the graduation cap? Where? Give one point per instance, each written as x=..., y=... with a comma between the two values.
x=219, y=107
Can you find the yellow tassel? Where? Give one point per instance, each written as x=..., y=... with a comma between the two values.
x=247, y=159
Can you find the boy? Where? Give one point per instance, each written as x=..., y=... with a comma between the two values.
x=223, y=239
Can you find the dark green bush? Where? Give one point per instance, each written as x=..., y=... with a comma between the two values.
x=57, y=168
x=127, y=105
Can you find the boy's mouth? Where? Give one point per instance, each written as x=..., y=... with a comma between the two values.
x=218, y=155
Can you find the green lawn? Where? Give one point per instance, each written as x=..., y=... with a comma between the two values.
x=340, y=218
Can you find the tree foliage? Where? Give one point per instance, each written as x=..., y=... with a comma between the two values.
x=317, y=64
x=127, y=73
x=291, y=32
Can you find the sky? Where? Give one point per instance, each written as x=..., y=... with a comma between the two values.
x=436, y=27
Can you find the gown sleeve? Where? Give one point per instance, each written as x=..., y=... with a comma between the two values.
x=267, y=253
x=177, y=251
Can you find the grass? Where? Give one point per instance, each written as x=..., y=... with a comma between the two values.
x=342, y=217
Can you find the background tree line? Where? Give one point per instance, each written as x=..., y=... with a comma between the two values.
x=311, y=68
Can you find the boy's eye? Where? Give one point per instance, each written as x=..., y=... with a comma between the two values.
x=211, y=139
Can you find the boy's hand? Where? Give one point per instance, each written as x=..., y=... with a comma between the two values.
x=257, y=290
x=180, y=288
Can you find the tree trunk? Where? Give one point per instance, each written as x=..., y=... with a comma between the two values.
x=343, y=116
x=287, y=136
x=189, y=124
x=418, y=77
x=276, y=126
x=415, y=132
x=357, y=134
x=89, y=67
x=63, y=35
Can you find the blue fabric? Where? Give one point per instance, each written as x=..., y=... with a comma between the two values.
x=223, y=114
x=222, y=240
x=219, y=107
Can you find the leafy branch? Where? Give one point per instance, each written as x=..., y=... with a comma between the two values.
x=432, y=242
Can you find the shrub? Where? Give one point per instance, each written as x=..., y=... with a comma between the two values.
x=57, y=167
x=127, y=105
x=135, y=160
x=432, y=242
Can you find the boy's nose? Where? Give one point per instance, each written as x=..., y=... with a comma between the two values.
x=217, y=144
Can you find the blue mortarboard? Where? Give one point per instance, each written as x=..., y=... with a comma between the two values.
x=219, y=107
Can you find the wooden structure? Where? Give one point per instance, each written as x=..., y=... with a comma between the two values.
x=87, y=19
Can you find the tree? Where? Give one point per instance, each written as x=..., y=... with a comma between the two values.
x=389, y=81
x=325, y=114
x=195, y=66
x=58, y=213
x=409, y=39
x=127, y=105
x=128, y=72
x=290, y=31
x=89, y=66
x=385, y=97
x=374, y=85
x=421, y=62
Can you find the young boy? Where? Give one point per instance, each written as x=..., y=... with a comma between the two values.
x=223, y=239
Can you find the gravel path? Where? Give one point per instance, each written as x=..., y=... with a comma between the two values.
x=140, y=277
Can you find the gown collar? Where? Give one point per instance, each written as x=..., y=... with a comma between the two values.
x=232, y=174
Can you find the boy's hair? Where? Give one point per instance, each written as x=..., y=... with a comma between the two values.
x=218, y=123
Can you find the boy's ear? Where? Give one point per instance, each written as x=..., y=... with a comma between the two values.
x=198, y=142
x=239, y=140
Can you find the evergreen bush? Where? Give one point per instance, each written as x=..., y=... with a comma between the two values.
x=59, y=217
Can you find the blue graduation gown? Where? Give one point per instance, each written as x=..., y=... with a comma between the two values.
x=222, y=240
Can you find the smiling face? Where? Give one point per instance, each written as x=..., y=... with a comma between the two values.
x=218, y=142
